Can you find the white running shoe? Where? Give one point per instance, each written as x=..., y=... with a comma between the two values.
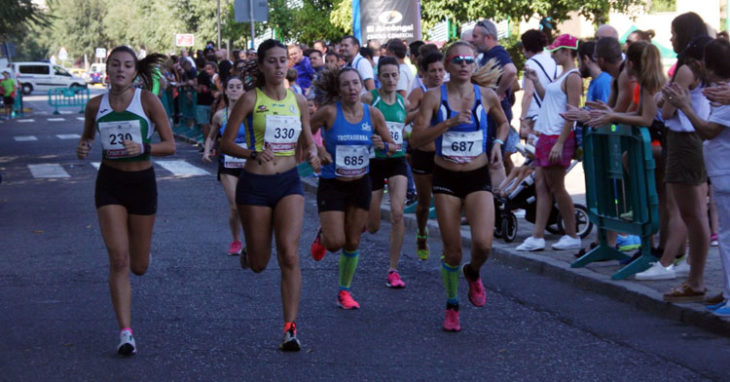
x=127, y=345
x=532, y=244
x=567, y=242
x=682, y=268
x=657, y=272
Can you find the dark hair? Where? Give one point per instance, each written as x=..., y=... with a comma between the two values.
x=397, y=47
x=415, y=47
x=213, y=64
x=326, y=85
x=723, y=35
x=586, y=50
x=320, y=41
x=427, y=49
x=609, y=49
x=366, y=52
x=265, y=46
x=427, y=59
x=687, y=27
x=332, y=53
x=692, y=56
x=534, y=41
x=646, y=35
x=225, y=86
x=291, y=74
x=354, y=39
x=145, y=68
x=309, y=52
x=387, y=60
x=250, y=74
x=717, y=55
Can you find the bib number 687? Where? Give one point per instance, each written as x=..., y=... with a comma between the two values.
x=462, y=146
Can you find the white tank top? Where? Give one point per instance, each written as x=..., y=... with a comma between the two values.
x=701, y=105
x=549, y=121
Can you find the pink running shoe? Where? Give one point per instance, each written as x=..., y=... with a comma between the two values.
x=477, y=294
x=345, y=301
x=317, y=249
x=235, y=248
x=394, y=280
x=451, y=321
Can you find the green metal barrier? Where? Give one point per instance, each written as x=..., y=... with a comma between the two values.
x=68, y=97
x=18, y=104
x=620, y=192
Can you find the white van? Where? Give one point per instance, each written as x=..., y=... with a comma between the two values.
x=43, y=76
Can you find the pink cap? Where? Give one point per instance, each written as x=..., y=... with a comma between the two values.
x=563, y=41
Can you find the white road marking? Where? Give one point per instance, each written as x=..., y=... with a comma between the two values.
x=181, y=168
x=81, y=118
x=25, y=138
x=26, y=120
x=48, y=170
x=68, y=136
x=96, y=164
x=56, y=119
x=66, y=111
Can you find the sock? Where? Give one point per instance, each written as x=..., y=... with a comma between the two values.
x=450, y=276
x=126, y=330
x=348, y=264
x=290, y=325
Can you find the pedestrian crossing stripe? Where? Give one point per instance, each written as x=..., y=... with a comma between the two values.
x=48, y=170
x=56, y=119
x=26, y=120
x=181, y=168
x=25, y=138
x=81, y=118
x=96, y=164
x=68, y=136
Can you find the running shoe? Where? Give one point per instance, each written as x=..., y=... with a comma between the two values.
x=532, y=244
x=422, y=243
x=657, y=272
x=717, y=306
x=290, y=341
x=681, y=267
x=628, y=242
x=394, y=280
x=723, y=311
x=235, y=248
x=451, y=321
x=317, y=249
x=713, y=240
x=567, y=242
x=127, y=346
x=345, y=301
x=477, y=294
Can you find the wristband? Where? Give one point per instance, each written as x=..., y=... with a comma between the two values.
x=146, y=148
x=253, y=155
x=497, y=140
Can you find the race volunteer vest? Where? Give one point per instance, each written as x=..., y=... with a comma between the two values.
x=226, y=160
x=349, y=145
x=395, y=118
x=274, y=125
x=116, y=127
x=464, y=142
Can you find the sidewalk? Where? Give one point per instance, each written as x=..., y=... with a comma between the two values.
x=595, y=277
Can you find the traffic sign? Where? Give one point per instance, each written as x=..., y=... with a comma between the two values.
x=62, y=54
x=242, y=10
x=184, y=39
x=100, y=53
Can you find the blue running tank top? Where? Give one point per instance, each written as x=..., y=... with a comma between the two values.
x=349, y=145
x=226, y=160
x=464, y=142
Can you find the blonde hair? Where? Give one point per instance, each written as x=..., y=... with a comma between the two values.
x=647, y=62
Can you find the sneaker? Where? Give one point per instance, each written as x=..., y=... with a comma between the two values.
x=235, y=248
x=317, y=249
x=451, y=321
x=567, y=242
x=723, y=311
x=657, y=272
x=477, y=294
x=394, y=280
x=713, y=240
x=345, y=301
x=532, y=244
x=717, y=306
x=127, y=346
x=290, y=341
x=681, y=268
x=628, y=243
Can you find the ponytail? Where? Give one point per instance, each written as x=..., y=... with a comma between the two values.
x=326, y=85
x=488, y=75
x=148, y=68
x=651, y=73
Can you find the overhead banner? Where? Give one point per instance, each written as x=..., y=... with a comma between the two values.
x=387, y=19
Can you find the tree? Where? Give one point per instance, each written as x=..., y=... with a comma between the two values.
x=18, y=13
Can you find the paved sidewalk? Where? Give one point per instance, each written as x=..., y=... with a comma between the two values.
x=596, y=277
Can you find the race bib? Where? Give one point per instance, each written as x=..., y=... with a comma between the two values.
x=351, y=160
x=462, y=147
x=234, y=162
x=396, y=132
x=113, y=134
x=282, y=133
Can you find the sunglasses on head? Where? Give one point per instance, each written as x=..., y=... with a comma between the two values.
x=458, y=60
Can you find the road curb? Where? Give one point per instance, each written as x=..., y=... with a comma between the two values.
x=626, y=291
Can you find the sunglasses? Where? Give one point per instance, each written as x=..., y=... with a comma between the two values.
x=458, y=60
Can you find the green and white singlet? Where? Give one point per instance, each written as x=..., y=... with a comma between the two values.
x=115, y=127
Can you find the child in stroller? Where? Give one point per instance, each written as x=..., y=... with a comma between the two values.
x=517, y=191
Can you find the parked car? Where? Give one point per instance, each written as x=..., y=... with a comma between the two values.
x=43, y=76
x=97, y=74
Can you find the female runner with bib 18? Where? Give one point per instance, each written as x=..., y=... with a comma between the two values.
x=126, y=189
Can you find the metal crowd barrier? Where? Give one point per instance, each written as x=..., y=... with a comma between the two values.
x=68, y=97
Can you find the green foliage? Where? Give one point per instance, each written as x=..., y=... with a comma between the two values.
x=663, y=6
x=341, y=16
x=16, y=15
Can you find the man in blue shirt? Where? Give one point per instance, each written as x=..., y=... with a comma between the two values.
x=599, y=88
x=305, y=72
x=486, y=40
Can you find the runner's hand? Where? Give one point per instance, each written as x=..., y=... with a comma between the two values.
x=377, y=141
x=496, y=155
x=206, y=158
x=82, y=150
x=313, y=158
x=324, y=157
x=132, y=147
x=265, y=156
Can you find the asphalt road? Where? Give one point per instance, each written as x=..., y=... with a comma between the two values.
x=198, y=316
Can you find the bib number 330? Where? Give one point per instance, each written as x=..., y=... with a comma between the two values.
x=282, y=133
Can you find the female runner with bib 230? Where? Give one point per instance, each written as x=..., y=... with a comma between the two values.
x=126, y=190
x=343, y=196
x=457, y=118
x=269, y=194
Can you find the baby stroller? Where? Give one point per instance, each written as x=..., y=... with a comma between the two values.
x=524, y=196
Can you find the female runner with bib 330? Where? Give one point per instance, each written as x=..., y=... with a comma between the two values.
x=350, y=128
x=126, y=190
x=269, y=195
x=457, y=118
